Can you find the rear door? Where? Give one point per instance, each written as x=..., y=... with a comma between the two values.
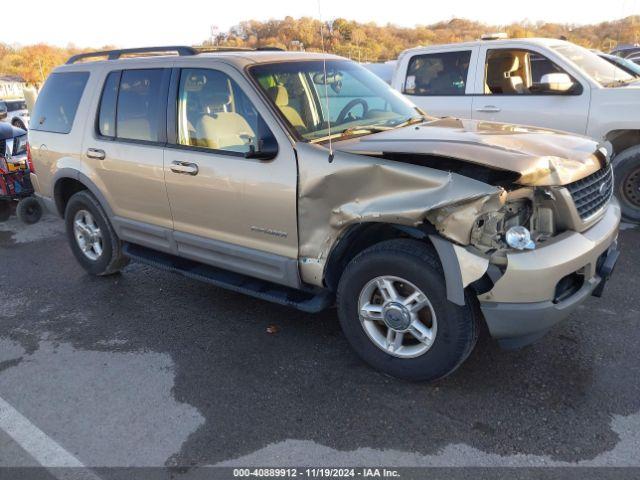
x=440, y=81
x=123, y=152
x=506, y=91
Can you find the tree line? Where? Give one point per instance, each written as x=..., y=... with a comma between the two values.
x=366, y=42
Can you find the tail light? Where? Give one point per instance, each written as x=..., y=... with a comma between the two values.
x=30, y=159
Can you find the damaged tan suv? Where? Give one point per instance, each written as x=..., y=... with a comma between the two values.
x=304, y=180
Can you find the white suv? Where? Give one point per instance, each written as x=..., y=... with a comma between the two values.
x=541, y=82
x=16, y=111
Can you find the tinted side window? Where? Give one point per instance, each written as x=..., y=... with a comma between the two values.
x=213, y=112
x=58, y=102
x=107, y=117
x=438, y=74
x=140, y=102
x=13, y=106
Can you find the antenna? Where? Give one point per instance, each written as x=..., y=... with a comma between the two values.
x=326, y=82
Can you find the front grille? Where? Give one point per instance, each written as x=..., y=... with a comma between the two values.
x=592, y=193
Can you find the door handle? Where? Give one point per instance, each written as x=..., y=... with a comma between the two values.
x=96, y=153
x=184, y=168
x=489, y=109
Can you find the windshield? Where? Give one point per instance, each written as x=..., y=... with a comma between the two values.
x=350, y=99
x=603, y=72
x=629, y=65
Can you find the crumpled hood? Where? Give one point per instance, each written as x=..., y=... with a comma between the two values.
x=539, y=156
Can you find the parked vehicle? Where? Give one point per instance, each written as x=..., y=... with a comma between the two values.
x=305, y=180
x=383, y=70
x=626, y=51
x=16, y=113
x=15, y=186
x=541, y=82
x=627, y=65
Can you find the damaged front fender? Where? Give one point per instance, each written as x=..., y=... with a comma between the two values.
x=357, y=188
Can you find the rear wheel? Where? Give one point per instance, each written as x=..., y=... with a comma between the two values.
x=627, y=182
x=92, y=238
x=394, y=311
x=29, y=210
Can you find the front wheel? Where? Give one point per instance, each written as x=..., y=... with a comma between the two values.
x=93, y=240
x=393, y=310
x=627, y=182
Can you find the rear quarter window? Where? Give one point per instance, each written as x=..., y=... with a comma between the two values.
x=57, y=104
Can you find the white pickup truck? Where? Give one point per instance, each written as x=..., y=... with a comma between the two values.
x=541, y=82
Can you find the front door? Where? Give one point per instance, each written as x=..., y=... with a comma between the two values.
x=230, y=208
x=509, y=92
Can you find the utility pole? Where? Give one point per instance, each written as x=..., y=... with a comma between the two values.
x=214, y=35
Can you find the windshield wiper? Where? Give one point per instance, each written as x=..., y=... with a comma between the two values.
x=373, y=128
x=411, y=121
x=355, y=130
x=363, y=128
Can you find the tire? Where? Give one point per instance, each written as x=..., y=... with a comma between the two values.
x=627, y=182
x=29, y=210
x=5, y=210
x=19, y=124
x=417, y=264
x=110, y=259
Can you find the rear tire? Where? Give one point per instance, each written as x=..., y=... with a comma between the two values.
x=627, y=182
x=446, y=332
x=93, y=240
x=29, y=210
x=5, y=210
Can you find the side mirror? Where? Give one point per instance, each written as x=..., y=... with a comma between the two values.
x=557, y=83
x=267, y=149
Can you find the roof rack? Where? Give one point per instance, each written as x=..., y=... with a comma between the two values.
x=182, y=51
x=116, y=54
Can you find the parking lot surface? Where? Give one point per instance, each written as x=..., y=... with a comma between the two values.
x=148, y=368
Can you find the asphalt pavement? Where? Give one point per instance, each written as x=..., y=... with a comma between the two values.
x=147, y=368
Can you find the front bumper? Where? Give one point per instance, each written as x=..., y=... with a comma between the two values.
x=524, y=302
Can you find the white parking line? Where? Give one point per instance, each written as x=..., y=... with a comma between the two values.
x=39, y=445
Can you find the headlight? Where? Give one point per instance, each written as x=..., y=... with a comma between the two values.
x=20, y=145
x=519, y=237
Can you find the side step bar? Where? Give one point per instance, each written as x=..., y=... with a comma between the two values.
x=311, y=301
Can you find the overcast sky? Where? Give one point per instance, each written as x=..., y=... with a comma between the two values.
x=128, y=23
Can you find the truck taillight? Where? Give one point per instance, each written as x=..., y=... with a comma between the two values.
x=29, y=159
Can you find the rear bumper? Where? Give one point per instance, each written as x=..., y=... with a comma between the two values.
x=591, y=255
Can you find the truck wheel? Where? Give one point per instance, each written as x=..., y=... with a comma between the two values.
x=18, y=124
x=627, y=182
x=393, y=309
x=29, y=210
x=5, y=210
x=93, y=240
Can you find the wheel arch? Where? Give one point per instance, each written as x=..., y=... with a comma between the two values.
x=623, y=139
x=67, y=182
x=364, y=235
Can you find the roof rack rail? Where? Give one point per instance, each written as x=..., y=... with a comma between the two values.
x=116, y=54
x=223, y=49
